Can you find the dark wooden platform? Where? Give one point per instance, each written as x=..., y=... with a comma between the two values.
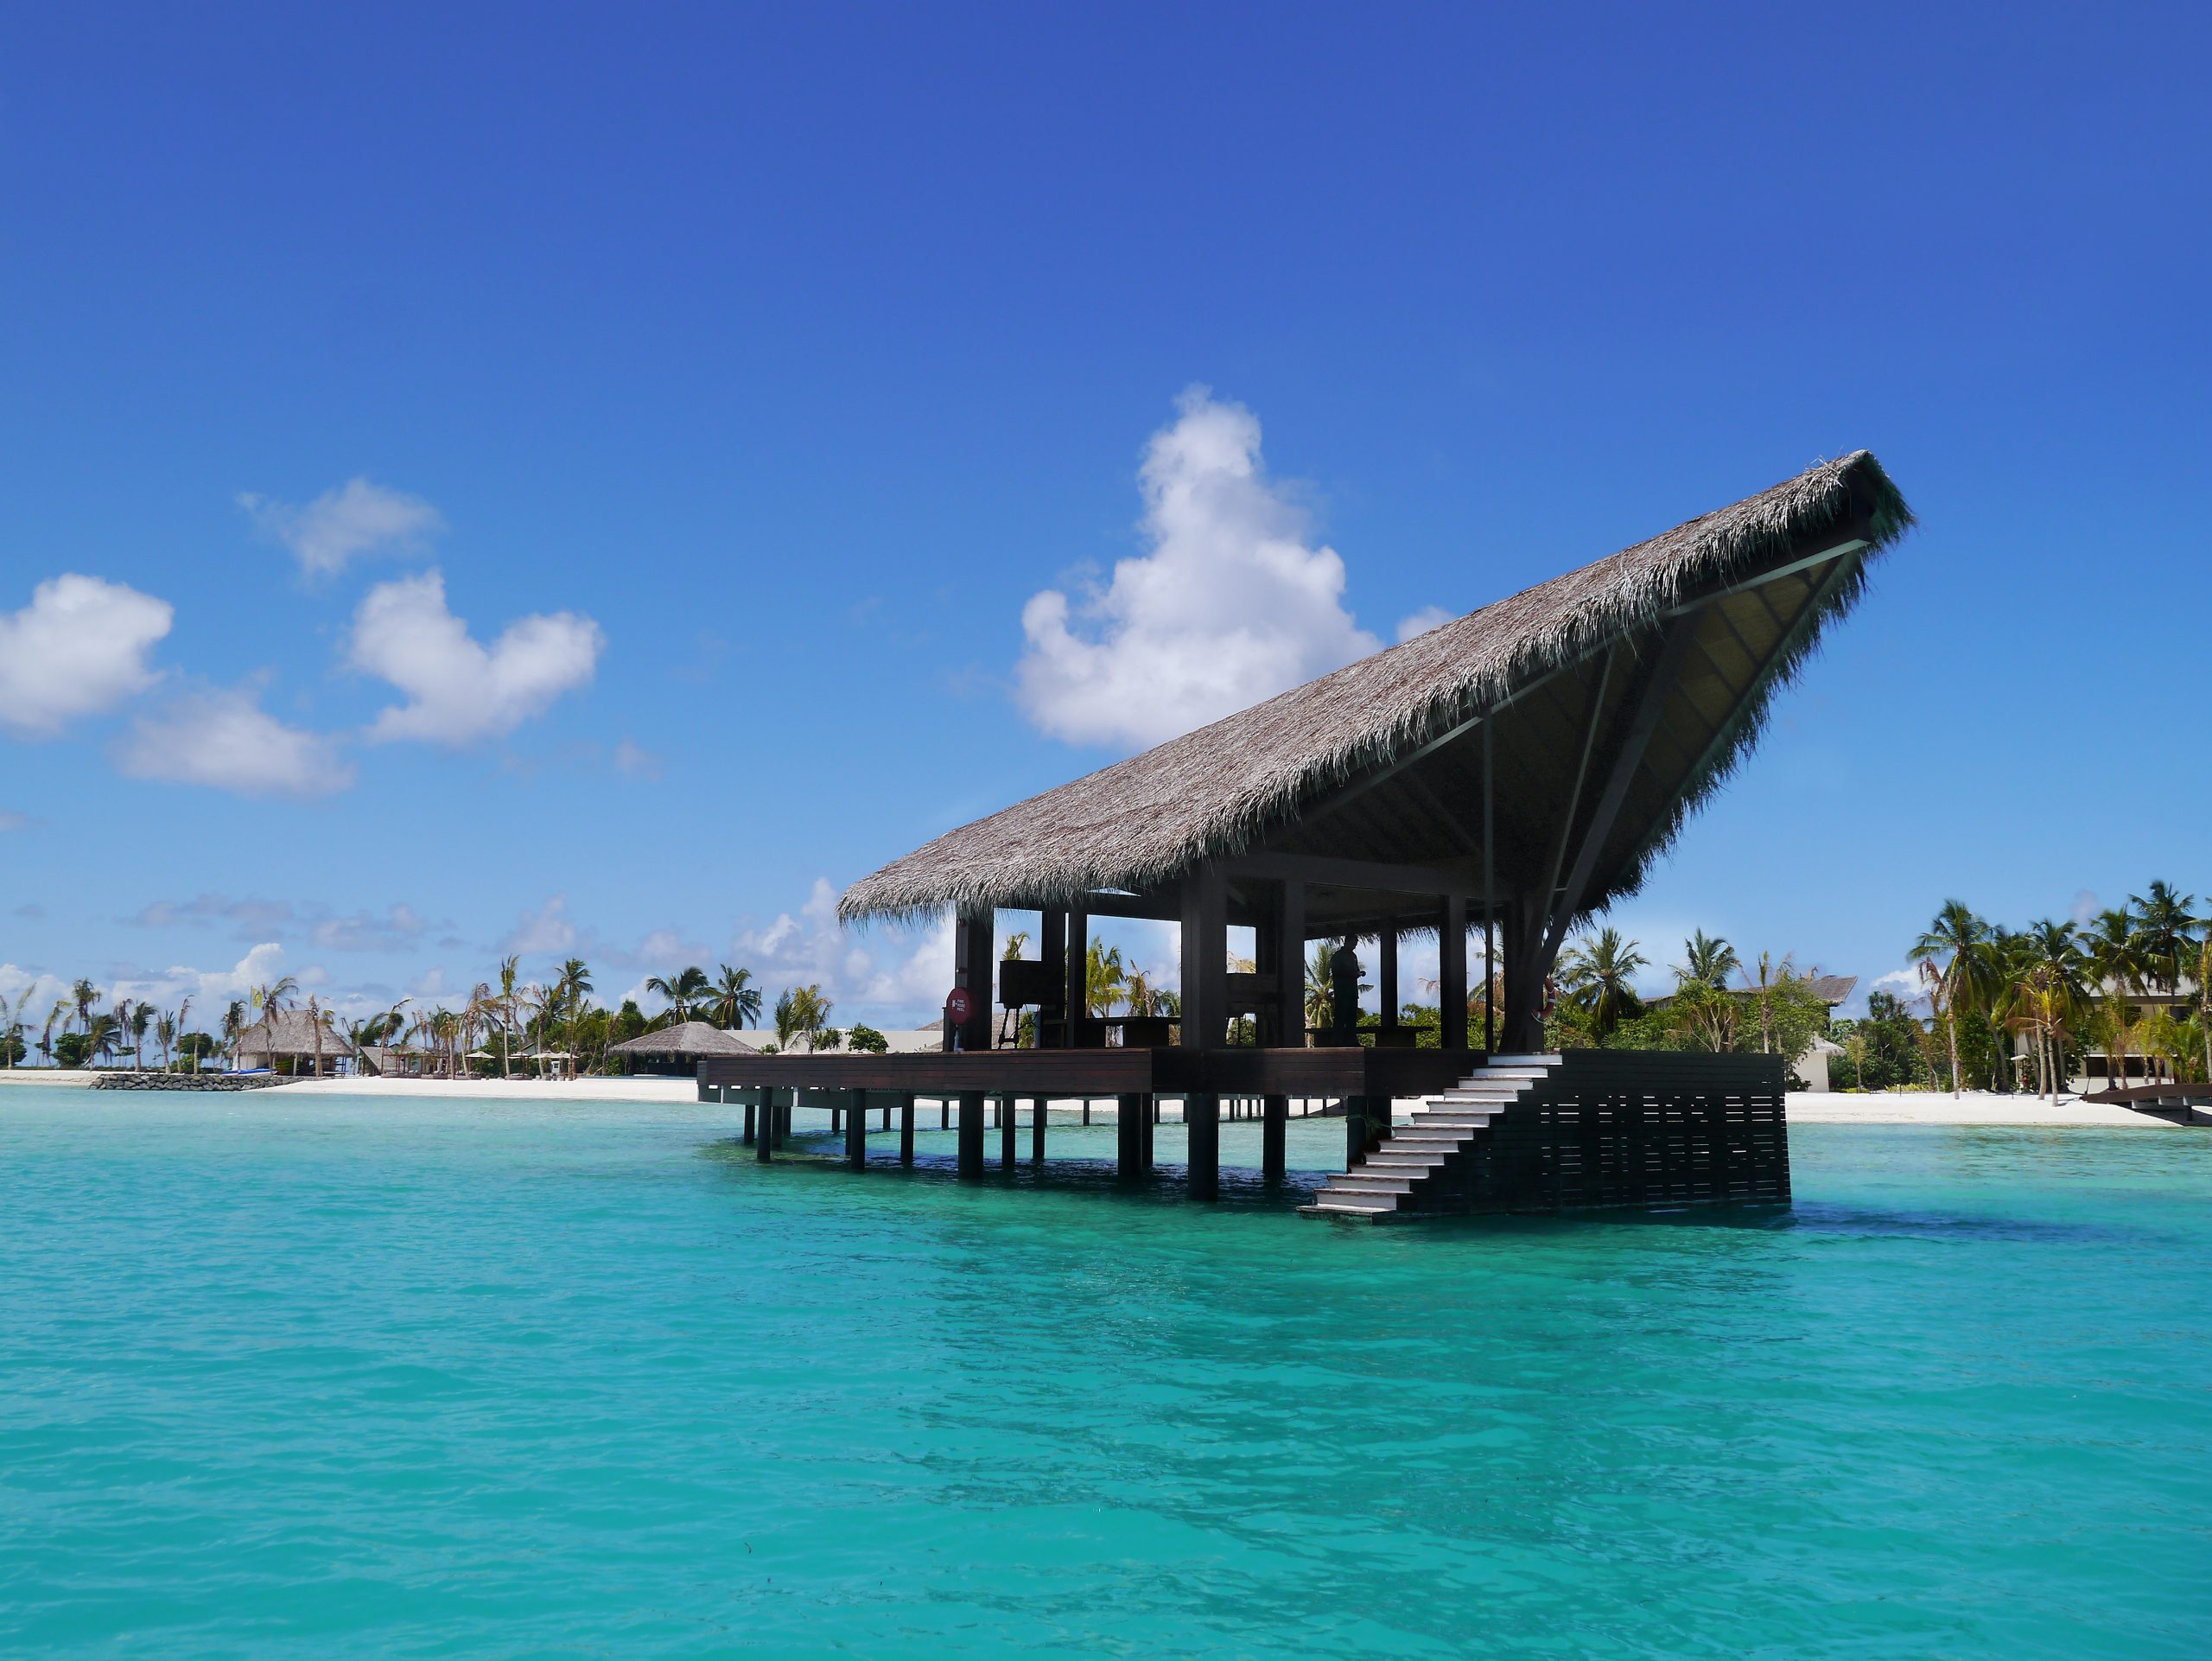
x=1169, y=1071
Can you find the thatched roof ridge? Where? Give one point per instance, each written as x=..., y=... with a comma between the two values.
x=1143, y=821
x=291, y=1032
x=689, y=1038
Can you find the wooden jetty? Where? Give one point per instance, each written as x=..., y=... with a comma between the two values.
x=1505, y=774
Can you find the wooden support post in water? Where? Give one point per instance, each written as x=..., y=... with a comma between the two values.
x=856, y=1130
x=906, y=1128
x=1202, y=1114
x=767, y=1138
x=1129, y=1135
x=1378, y=1121
x=1009, y=1110
x=971, y=1133
x=1274, y=1130
x=1037, y=1118
x=748, y=1119
x=1355, y=1131
x=1386, y=973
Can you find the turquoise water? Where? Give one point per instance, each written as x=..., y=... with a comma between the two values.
x=292, y=1376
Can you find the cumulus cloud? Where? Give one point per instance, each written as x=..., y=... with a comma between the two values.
x=223, y=739
x=358, y=517
x=80, y=647
x=1420, y=622
x=394, y=929
x=459, y=691
x=1232, y=604
x=255, y=918
x=545, y=933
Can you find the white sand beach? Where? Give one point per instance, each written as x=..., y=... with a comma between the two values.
x=1806, y=1107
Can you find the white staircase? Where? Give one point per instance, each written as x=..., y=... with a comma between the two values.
x=1445, y=1128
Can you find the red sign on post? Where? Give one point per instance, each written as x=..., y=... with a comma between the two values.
x=958, y=1005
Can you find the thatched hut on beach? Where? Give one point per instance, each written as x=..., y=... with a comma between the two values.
x=677, y=1050
x=291, y=1040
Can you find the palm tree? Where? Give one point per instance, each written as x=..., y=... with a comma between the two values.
x=801, y=1012
x=142, y=1017
x=1319, y=991
x=84, y=995
x=1772, y=975
x=1598, y=970
x=2166, y=930
x=736, y=999
x=1707, y=960
x=574, y=986
x=1138, y=993
x=183, y=1014
x=2204, y=996
x=2119, y=960
x=1957, y=942
x=2046, y=996
x=1104, y=978
x=271, y=1000
x=99, y=1037
x=683, y=990
x=46, y=1036
x=165, y=1035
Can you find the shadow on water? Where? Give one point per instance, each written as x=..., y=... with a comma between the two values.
x=1242, y=1190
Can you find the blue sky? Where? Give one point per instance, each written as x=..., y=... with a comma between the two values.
x=563, y=479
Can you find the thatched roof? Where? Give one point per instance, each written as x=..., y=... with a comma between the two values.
x=690, y=1039
x=1246, y=779
x=290, y=1033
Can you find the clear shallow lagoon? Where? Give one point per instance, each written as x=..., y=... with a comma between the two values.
x=318, y=1376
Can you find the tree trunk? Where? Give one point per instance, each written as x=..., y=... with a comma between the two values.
x=1951, y=1020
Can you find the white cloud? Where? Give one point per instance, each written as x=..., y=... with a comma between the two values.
x=226, y=740
x=633, y=760
x=1231, y=605
x=209, y=989
x=1420, y=622
x=545, y=933
x=459, y=691
x=396, y=930
x=358, y=517
x=78, y=648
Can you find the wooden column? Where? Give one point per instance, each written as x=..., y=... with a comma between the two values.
x=1037, y=1118
x=1147, y=1118
x=749, y=1110
x=1202, y=1115
x=1491, y=992
x=973, y=962
x=1052, y=950
x=1129, y=1113
x=1290, y=989
x=1355, y=1131
x=1386, y=972
x=856, y=1130
x=766, y=1140
x=1205, y=959
x=971, y=1133
x=1075, y=966
x=1452, y=972
x=1009, y=1110
x=1274, y=1130
x=906, y=1129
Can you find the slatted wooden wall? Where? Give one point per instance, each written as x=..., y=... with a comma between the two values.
x=1635, y=1128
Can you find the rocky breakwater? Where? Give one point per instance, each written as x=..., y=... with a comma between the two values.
x=187, y=1081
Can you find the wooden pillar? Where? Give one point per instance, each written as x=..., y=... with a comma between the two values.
x=1076, y=966
x=856, y=1130
x=886, y=1116
x=1452, y=972
x=836, y=1118
x=1205, y=959
x=971, y=1133
x=1378, y=1121
x=1148, y=1119
x=749, y=1110
x=1201, y=1115
x=766, y=1140
x=1289, y=930
x=1490, y=989
x=1275, y=1132
x=973, y=961
x=943, y=1113
x=906, y=1128
x=1009, y=1110
x=1386, y=971
x=1129, y=1114
x=1037, y=1118
x=1053, y=949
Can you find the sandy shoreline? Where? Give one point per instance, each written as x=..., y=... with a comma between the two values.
x=1897, y=1107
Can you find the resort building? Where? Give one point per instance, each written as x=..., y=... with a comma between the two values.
x=1509, y=772
x=677, y=1050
